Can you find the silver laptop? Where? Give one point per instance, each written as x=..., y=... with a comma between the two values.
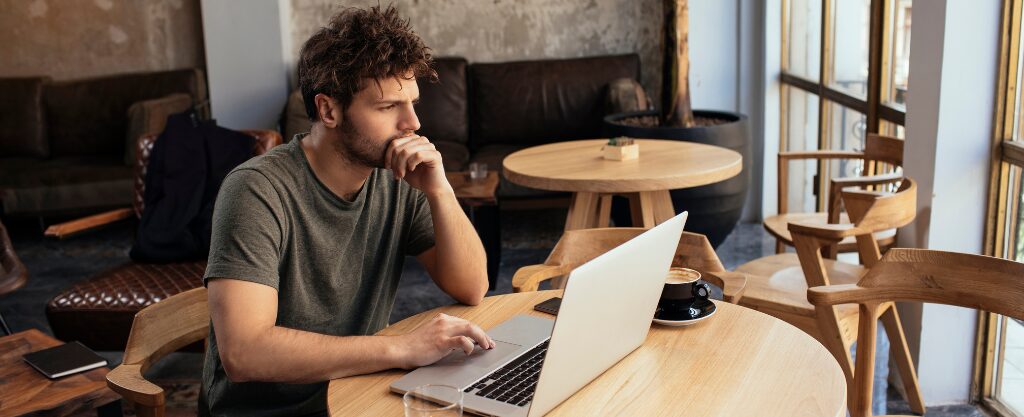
x=537, y=363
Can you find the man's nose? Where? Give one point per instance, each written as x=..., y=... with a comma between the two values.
x=409, y=121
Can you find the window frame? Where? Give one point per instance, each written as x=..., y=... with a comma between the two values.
x=1007, y=153
x=874, y=109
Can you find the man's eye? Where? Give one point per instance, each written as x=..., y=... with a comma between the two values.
x=388, y=107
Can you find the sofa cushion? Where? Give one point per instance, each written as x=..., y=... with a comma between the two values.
x=87, y=117
x=536, y=102
x=22, y=122
x=67, y=184
x=454, y=156
x=149, y=117
x=442, y=109
x=492, y=155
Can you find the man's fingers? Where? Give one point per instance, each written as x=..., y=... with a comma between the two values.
x=402, y=162
x=393, y=147
x=478, y=335
x=420, y=157
x=462, y=342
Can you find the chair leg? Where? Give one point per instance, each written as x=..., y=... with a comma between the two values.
x=3, y=326
x=779, y=247
x=901, y=355
x=832, y=338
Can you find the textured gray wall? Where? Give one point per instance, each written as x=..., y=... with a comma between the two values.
x=70, y=39
x=509, y=30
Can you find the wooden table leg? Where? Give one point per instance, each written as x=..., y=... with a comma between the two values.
x=583, y=211
x=604, y=210
x=655, y=208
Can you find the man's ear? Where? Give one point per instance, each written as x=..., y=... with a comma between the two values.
x=329, y=111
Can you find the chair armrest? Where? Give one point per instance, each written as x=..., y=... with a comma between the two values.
x=830, y=295
x=867, y=180
x=528, y=278
x=732, y=283
x=127, y=380
x=63, y=230
x=823, y=154
x=825, y=231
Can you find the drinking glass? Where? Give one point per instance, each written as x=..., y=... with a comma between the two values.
x=477, y=171
x=433, y=400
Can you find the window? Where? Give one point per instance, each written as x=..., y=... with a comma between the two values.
x=844, y=75
x=1000, y=376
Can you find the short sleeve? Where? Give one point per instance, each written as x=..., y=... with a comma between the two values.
x=248, y=230
x=421, y=227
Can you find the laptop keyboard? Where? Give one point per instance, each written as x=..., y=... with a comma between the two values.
x=515, y=382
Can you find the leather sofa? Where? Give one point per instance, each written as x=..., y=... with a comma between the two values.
x=484, y=111
x=65, y=147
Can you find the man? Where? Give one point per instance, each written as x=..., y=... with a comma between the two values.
x=309, y=239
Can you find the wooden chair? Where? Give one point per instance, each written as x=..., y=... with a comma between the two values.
x=881, y=156
x=777, y=284
x=157, y=330
x=973, y=281
x=577, y=247
x=265, y=140
x=13, y=273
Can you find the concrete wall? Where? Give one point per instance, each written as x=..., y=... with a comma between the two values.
x=73, y=39
x=508, y=30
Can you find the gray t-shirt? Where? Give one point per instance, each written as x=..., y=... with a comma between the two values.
x=335, y=263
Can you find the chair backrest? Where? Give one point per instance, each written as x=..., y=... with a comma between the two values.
x=885, y=149
x=13, y=273
x=959, y=279
x=577, y=247
x=265, y=140
x=870, y=212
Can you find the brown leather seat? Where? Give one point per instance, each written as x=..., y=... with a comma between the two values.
x=99, y=310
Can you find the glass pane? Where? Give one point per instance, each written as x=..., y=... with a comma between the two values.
x=1011, y=373
x=845, y=129
x=851, y=23
x=1009, y=361
x=801, y=133
x=1020, y=91
x=899, y=54
x=803, y=37
x=888, y=128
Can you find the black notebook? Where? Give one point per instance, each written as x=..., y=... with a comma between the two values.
x=65, y=359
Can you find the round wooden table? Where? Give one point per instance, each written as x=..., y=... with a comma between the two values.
x=738, y=362
x=578, y=167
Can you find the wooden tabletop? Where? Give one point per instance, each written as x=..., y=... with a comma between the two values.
x=662, y=165
x=472, y=192
x=737, y=362
x=24, y=390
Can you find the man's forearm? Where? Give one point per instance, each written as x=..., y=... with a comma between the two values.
x=461, y=264
x=294, y=356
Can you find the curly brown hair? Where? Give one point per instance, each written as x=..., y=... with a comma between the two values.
x=356, y=46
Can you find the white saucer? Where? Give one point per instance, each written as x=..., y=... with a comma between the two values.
x=682, y=323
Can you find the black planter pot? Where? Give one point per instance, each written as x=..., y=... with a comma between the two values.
x=714, y=208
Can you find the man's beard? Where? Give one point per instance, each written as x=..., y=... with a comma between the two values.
x=359, y=149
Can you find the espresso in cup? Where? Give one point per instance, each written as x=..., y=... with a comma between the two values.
x=682, y=290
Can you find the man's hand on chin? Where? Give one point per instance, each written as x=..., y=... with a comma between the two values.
x=416, y=160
